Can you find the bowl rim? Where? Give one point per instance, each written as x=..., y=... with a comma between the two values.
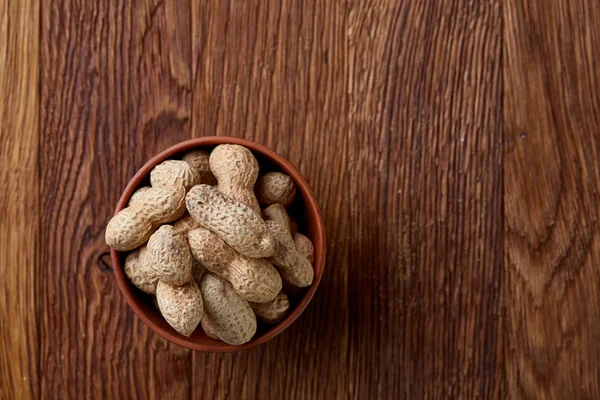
x=310, y=202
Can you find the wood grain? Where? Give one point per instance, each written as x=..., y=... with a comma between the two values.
x=19, y=202
x=115, y=90
x=275, y=72
x=426, y=243
x=453, y=148
x=551, y=184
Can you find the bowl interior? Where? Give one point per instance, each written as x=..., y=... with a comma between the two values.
x=305, y=210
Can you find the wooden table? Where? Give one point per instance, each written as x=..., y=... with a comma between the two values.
x=454, y=147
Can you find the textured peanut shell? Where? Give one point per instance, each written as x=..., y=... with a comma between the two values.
x=277, y=213
x=236, y=170
x=231, y=317
x=139, y=272
x=174, y=173
x=254, y=279
x=128, y=229
x=181, y=306
x=275, y=187
x=198, y=270
x=238, y=225
x=293, y=267
x=137, y=196
x=199, y=161
x=273, y=311
x=185, y=224
x=304, y=246
x=207, y=327
x=162, y=205
x=169, y=256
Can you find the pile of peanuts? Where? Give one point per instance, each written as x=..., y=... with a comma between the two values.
x=200, y=242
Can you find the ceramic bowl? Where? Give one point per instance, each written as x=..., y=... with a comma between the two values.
x=305, y=210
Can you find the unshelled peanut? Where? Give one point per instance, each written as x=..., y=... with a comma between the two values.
x=238, y=225
x=254, y=279
x=181, y=306
x=236, y=170
x=139, y=272
x=293, y=266
x=231, y=317
x=304, y=246
x=132, y=226
x=273, y=311
x=199, y=161
x=173, y=173
x=169, y=256
x=275, y=187
x=276, y=212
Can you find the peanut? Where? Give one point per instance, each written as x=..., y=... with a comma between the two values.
x=132, y=226
x=185, y=224
x=277, y=213
x=137, y=196
x=236, y=170
x=207, y=327
x=169, y=256
x=254, y=279
x=139, y=272
x=238, y=225
x=275, y=187
x=304, y=246
x=230, y=316
x=199, y=161
x=174, y=173
x=181, y=306
x=273, y=311
x=293, y=267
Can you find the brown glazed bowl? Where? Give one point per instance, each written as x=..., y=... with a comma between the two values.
x=304, y=209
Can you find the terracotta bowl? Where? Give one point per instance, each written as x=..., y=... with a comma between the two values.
x=305, y=211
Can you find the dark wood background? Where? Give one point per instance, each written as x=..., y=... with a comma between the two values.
x=454, y=148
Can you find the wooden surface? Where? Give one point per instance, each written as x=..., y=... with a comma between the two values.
x=454, y=148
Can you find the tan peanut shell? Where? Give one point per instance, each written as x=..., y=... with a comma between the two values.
x=174, y=173
x=132, y=226
x=293, y=266
x=273, y=311
x=162, y=205
x=185, y=224
x=231, y=317
x=138, y=271
x=128, y=229
x=199, y=161
x=137, y=196
x=169, y=256
x=236, y=170
x=277, y=213
x=238, y=225
x=275, y=187
x=181, y=306
x=207, y=327
x=304, y=246
x=254, y=279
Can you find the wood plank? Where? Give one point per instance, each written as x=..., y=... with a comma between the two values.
x=551, y=185
x=426, y=185
x=116, y=89
x=19, y=198
x=275, y=72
